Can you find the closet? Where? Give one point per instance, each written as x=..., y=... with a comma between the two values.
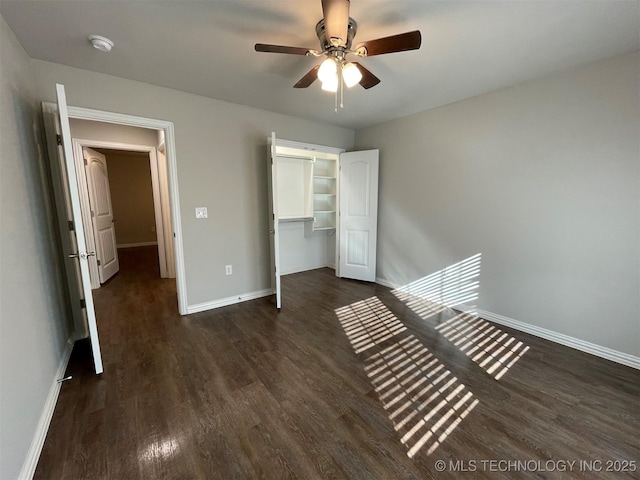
x=323, y=205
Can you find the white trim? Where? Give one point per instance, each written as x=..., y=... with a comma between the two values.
x=138, y=244
x=305, y=268
x=169, y=136
x=39, y=436
x=78, y=145
x=223, y=302
x=386, y=283
x=308, y=146
x=562, y=339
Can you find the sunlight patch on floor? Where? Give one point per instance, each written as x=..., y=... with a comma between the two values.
x=454, y=286
x=492, y=349
x=368, y=323
x=424, y=401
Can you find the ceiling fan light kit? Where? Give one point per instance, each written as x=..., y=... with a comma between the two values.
x=328, y=70
x=351, y=74
x=335, y=32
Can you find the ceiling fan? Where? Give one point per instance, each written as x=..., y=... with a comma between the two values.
x=336, y=31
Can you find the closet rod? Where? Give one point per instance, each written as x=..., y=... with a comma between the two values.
x=298, y=157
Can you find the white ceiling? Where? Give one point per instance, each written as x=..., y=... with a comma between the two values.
x=206, y=47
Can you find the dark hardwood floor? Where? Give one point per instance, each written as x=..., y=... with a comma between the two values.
x=348, y=380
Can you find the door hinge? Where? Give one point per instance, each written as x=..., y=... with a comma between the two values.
x=85, y=162
x=98, y=262
x=92, y=215
x=83, y=303
x=71, y=226
x=59, y=139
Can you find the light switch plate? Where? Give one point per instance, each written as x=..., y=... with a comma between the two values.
x=201, y=212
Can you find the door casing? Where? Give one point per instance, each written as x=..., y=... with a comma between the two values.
x=82, y=113
x=160, y=188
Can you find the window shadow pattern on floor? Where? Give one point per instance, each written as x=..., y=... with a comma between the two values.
x=447, y=292
x=485, y=344
x=424, y=401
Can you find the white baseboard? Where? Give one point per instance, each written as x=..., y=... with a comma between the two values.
x=223, y=302
x=562, y=339
x=305, y=268
x=139, y=244
x=386, y=283
x=31, y=461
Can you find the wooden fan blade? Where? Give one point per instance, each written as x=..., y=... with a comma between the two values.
x=368, y=79
x=394, y=43
x=336, y=19
x=308, y=79
x=263, y=47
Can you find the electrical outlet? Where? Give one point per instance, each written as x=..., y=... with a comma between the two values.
x=201, y=212
x=228, y=269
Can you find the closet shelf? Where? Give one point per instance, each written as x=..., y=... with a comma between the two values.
x=294, y=219
x=324, y=211
x=324, y=194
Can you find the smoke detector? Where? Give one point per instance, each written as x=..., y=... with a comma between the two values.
x=101, y=43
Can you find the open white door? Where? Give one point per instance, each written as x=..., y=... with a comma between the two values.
x=101, y=213
x=81, y=255
x=358, y=224
x=167, y=232
x=272, y=174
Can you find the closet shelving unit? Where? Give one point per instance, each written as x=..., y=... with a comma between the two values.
x=322, y=210
x=324, y=193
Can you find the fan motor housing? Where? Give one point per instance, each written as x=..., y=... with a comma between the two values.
x=326, y=44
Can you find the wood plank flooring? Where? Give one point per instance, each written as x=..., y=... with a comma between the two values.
x=248, y=392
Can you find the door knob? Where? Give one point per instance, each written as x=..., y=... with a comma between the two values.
x=83, y=255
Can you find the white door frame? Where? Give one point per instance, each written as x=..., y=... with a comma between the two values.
x=78, y=145
x=273, y=143
x=82, y=113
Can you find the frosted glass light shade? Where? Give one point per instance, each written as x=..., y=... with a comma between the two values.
x=330, y=84
x=328, y=70
x=351, y=74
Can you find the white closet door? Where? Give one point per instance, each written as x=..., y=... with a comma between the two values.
x=358, y=227
x=274, y=234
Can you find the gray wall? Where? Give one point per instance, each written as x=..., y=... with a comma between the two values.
x=221, y=155
x=33, y=313
x=543, y=180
